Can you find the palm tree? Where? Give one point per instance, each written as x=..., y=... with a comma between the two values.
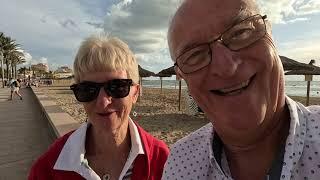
x=2, y=44
x=11, y=55
x=1, y=58
x=8, y=45
x=16, y=57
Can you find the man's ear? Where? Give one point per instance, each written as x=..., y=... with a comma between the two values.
x=179, y=73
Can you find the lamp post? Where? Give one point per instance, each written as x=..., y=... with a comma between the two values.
x=2, y=70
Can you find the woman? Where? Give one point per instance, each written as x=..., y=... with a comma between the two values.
x=15, y=87
x=110, y=145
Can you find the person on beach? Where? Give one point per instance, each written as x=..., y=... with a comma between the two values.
x=225, y=52
x=14, y=88
x=110, y=146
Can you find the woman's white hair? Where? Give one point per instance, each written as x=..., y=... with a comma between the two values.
x=99, y=53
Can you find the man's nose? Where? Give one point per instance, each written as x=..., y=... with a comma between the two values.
x=223, y=62
x=103, y=98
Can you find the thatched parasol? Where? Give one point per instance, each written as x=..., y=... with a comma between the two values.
x=168, y=73
x=308, y=75
x=314, y=71
x=165, y=73
x=290, y=64
x=143, y=73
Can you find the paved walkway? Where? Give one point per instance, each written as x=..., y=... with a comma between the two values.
x=24, y=134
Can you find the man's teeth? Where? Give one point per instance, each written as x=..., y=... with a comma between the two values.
x=235, y=88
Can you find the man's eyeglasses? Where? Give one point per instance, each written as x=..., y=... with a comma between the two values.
x=239, y=36
x=88, y=91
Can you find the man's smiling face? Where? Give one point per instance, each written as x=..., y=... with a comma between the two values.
x=238, y=90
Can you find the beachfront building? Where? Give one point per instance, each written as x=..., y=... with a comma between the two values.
x=41, y=67
x=63, y=72
x=39, y=70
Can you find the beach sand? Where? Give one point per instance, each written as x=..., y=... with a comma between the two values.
x=157, y=111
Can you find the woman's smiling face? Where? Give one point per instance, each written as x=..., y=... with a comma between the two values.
x=107, y=112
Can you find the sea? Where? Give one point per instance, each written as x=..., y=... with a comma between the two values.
x=295, y=85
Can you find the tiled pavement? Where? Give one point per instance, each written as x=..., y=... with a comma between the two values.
x=24, y=134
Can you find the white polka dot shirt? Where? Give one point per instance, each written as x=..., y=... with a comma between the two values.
x=192, y=157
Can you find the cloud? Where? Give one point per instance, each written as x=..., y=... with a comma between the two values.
x=68, y=23
x=288, y=11
x=96, y=24
x=310, y=8
x=297, y=20
x=28, y=59
x=43, y=60
x=156, y=61
x=51, y=29
x=143, y=25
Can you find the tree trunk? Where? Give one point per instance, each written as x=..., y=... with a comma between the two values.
x=15, y=71
x=2, y=71
x=12, y=71
x=7, y=65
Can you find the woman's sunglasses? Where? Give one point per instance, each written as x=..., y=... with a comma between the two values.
x=88, y=91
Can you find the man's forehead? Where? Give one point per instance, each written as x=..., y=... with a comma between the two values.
x=207, y=13
x=216, y=7
x=219, y=16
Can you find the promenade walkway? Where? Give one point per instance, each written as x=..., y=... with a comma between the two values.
x=24, y=134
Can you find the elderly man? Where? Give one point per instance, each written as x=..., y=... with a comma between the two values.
x=225, y=53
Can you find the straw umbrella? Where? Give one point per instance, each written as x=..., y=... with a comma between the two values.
x=296, y=68
x=315, y=71
x=290, y=64
x=310, y=70
x=308, y=75
x=143, y=73
x=168, y=73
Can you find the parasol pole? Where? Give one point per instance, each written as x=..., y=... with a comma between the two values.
x=308, y=78
x=160, y=84
x=179, y=95
x=140, y=89
x=308, y=93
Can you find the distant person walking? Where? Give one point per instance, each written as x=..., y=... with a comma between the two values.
x=14, y=86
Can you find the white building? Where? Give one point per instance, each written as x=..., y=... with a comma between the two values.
x=63, y=72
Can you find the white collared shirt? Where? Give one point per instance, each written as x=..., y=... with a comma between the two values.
x=192, y=157
x=72, y=156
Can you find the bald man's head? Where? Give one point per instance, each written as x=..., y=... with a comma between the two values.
x=194, y=11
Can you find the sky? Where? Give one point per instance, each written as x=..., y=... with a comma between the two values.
x=51, y=31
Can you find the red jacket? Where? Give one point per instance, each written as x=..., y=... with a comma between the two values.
x=148, y=166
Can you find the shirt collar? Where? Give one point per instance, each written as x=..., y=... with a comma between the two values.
x=71, y=157
x=135, y=138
